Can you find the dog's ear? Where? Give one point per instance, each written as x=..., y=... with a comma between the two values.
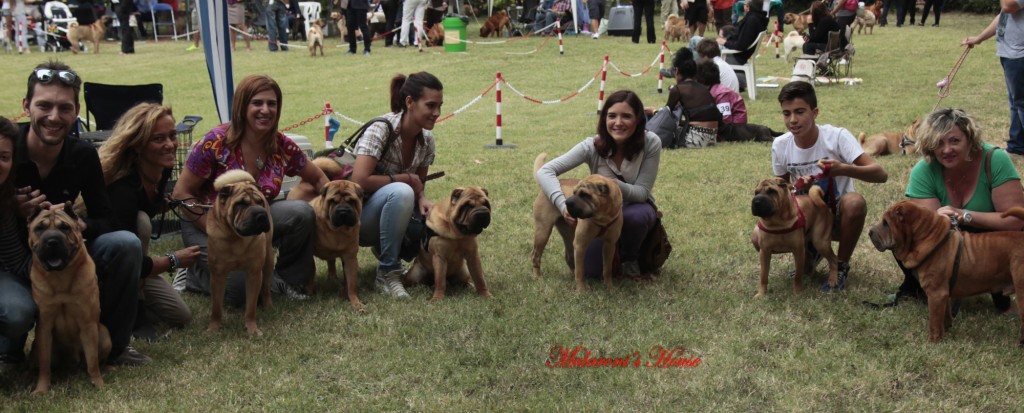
x=70, y=210
x=359, y=191
x=323, y=192
x=35, y=213
x=485, y=191
x=456, y=194
x=603, y=189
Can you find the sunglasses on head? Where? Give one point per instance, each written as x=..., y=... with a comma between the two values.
x=66, y=77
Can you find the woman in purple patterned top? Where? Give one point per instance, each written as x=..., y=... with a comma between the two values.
x=252, y=142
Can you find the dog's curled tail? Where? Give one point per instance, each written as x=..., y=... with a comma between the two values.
x=817, y=196
x=539, y=162
x=231, y=177
x=861, y=137
x=1016, y=212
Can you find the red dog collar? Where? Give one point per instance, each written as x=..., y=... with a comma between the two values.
x=800, y=222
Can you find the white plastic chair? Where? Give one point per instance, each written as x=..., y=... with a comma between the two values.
x=747, y=68
x=310, y=12
x=162, y=8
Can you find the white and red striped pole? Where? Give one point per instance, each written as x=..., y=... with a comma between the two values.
x=497, y=106
x=327, y=126
x=604, y=75
x=661, y=65
x=561, y=49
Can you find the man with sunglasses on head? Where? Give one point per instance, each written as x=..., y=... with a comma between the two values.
x=52, y=165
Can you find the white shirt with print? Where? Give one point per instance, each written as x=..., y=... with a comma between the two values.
x=833, y=143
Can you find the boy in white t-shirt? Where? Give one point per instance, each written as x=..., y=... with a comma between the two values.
x=832, y=158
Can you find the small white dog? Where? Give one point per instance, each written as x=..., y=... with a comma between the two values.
x=793, y=42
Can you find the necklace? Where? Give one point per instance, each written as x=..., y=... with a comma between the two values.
x=259, y=163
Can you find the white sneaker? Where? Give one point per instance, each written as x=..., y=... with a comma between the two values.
x=180, y=280
x=390, y=283
x=595, y=36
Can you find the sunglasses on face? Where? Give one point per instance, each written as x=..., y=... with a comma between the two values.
x=66, y=77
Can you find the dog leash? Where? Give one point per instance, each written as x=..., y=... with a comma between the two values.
x=946, y=83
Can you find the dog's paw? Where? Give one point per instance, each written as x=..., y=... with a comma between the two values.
x=759, y=295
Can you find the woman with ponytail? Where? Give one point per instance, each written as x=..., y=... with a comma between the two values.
x=391, y=167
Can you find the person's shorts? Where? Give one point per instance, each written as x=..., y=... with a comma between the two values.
x=697, y=13
x=596, y=8
x=236, y=14
x=195, y=18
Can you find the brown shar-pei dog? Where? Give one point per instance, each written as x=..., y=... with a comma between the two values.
x=240, y=232
x=926, y=243
x=786, y=222
x=66, y=292
x=496, y=25
x=337, y=211
x=92, y=33
x=450, y=248
x=676, y=29
x=596, y=203
x=315, y=37
x=889, y=143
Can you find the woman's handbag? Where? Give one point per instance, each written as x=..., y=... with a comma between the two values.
x=655, y=249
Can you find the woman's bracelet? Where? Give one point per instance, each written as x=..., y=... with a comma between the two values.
x=173, y=261
x=391, y=177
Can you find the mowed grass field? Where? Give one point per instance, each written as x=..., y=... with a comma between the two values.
x=805, y=351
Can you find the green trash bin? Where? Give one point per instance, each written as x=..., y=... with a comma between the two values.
x=451, y=26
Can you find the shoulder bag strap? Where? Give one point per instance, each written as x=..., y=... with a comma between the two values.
x=354, y=138
x=988, y=166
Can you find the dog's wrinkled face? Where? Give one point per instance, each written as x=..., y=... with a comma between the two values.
x=768, y=195
x=470, y=209
x=586, y=197
x=342, y=203
x=54, y=237
x=245, y=208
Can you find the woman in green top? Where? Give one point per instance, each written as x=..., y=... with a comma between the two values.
x=964, y=179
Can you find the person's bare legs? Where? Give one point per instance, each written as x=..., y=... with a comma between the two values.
x=853, y=211
x=245, y=35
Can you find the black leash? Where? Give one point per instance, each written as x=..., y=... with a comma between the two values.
x=952, y=279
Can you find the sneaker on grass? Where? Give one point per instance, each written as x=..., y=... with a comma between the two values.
x=844, y=272
x=390, y=283
x=130, y=357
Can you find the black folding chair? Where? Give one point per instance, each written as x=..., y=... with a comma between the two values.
x=108, y=102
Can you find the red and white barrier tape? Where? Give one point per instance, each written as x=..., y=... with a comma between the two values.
x=644, y=72
x=560, y=100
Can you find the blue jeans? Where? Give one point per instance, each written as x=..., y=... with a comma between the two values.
x=277, y=26
x=1013, y=69
x=118, y=258
x=384, y=220
x=637, y=220
x=17, y=313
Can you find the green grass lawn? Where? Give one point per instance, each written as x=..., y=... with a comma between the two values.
x=789, y=352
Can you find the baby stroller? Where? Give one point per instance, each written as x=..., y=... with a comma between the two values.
x=57, y=17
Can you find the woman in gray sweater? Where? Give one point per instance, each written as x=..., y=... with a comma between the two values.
x=622, y=150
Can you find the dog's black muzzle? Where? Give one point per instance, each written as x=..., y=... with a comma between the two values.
x=256, y=222
x=344, y=215
x=575, y=207
x=762, y=206
x=479, y=218
x=51, y=250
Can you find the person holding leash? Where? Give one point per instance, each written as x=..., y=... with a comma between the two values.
x=1008, y=27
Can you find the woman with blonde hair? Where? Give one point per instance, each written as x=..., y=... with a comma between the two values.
x=252, y=142
x=137, y=162
x=963, y=178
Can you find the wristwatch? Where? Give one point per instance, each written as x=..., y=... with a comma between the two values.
x=968, y=217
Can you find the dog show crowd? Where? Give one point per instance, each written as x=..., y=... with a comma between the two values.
x=75, y=221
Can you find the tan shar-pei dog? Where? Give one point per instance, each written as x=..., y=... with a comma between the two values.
x=596, y=203
x=66, y=292
x=337, y=210
x=240, y=234
x=786, y=222
x=450, y=247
